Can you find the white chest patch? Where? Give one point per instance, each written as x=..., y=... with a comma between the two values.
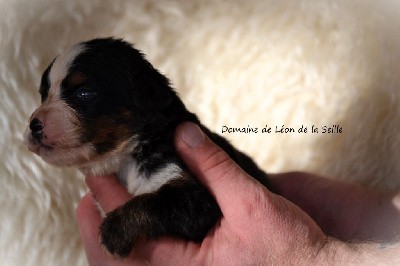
x=138, y=184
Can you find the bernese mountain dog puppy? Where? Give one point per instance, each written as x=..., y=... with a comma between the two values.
x=105, y=109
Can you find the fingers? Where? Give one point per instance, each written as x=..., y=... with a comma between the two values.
x=312, y=192
x=226, y=181
x=89, y=221
x=337, y=207
x=107, y=190
x=166, y=251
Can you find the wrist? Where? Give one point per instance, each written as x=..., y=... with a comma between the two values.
x=336, y=252
x=339, y=253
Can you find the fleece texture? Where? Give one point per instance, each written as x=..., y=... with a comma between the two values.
x=237, y=64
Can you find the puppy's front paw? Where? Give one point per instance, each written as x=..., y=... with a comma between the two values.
x=117, y=233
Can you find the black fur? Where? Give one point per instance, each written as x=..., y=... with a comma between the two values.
x=181, y=208
x=124, y=82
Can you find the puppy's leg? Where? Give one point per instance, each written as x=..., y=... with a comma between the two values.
x=181, y=208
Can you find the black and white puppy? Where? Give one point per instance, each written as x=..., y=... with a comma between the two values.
x=105, y=110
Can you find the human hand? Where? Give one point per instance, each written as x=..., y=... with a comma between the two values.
x=347, y=211
x=257, y=227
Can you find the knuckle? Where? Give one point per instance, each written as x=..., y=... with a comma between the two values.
x=254, y=206
x=219, y=165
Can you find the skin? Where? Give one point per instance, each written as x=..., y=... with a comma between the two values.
x=258, y=227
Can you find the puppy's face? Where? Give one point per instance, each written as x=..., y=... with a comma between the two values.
x=96, y=97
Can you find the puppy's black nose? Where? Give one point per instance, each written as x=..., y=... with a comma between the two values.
x=36, y=128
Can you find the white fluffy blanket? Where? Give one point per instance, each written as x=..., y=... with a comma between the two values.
x=236, y=64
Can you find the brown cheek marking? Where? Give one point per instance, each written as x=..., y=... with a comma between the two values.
x=106, y=133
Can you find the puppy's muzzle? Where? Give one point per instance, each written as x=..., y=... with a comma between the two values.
x=36, y=128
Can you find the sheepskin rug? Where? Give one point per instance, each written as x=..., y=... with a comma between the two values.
x=259, y=64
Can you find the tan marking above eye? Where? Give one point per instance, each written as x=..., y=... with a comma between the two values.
x=76, y=79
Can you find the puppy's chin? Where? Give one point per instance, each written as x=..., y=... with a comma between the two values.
x=75, y=156
x=60, y=156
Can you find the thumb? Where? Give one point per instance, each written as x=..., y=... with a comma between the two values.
x=225, y=180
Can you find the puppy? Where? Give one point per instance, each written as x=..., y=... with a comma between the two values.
x=105, y=110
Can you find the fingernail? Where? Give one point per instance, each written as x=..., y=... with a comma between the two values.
x=192, y=135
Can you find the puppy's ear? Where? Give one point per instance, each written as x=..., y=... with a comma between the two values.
x=152, y=91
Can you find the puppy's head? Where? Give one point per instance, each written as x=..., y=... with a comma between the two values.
x=96, y=98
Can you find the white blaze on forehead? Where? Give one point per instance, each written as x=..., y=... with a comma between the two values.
x=61, y=65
